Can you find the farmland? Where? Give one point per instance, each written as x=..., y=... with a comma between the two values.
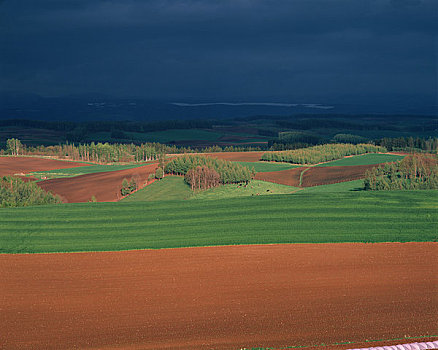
x=251, y=262
x=365, y=159
x=82, y=170
x=222, y=298
x=299, y=218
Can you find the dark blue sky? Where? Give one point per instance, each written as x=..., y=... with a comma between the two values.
x=220, y=49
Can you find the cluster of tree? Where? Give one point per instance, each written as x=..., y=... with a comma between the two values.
x=321, y=153
x=202, y=178
x=229, y=172
x=410, y=144
x=414, y=172
x=14, y=146
x=128, y=186
x=98, y=152
x=15, y=192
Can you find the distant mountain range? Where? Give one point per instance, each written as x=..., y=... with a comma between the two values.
x=99, y=107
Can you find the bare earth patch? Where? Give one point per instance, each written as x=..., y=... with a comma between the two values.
x=220, y=297
x=104, y=186
x=24, y=165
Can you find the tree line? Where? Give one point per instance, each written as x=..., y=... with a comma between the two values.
x=414, y=172
x=15, y=192
x=321, y=153
x=202, y=170
x=110, y=152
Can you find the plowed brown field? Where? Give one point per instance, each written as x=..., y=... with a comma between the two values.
x=104, y=186
x=19, y=165
x=328, y=175
x=219, y=297
x=290, y=177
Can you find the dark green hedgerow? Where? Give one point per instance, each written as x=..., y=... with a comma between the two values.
x=322, y=153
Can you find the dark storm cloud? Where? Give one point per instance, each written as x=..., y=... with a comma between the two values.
x=219, y=49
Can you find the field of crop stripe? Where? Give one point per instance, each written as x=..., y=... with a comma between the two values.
x=311, y=218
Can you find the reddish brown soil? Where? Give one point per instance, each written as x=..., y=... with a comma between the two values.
x=104, y=186
x=290, y=177
x=219, y=297
x=237, y=156
x=328, y=175
x=24, y=165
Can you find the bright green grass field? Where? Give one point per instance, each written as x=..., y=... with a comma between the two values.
x=301, y=218
x=262, y=167
x=175, y=188
x=168, y=189
x=70, y=172
x=254, y=188
x=365, y=159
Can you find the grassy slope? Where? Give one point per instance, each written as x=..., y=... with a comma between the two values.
x=70, y=172
x=254, y=188
x=303, y=217
x=262, y=167
x=170, y=188
x=174, y=188
x=365, y=159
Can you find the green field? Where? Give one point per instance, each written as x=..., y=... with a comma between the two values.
x=254, y=188
x=70, y=172
x=168, y=189
x=300, y=218
x=355, y=185
x=262, y=167
x=365, y=159
x=175, y=188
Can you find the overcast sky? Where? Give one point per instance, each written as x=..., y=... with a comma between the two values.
x=219, y=49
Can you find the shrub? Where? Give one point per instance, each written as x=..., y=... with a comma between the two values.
x=128, y=186
x=159, y=173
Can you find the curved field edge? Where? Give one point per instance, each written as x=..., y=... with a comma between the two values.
x=402, y=216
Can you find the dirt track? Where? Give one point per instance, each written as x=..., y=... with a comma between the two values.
x=18, y=165
x=104, y=186
x=219, y=297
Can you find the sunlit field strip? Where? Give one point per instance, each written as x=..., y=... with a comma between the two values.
x=300, y=218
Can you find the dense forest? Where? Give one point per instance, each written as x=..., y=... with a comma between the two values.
x=409, y=144
x=229, y=172
x=322, y=153
x=15, y=192
x=414, y=172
